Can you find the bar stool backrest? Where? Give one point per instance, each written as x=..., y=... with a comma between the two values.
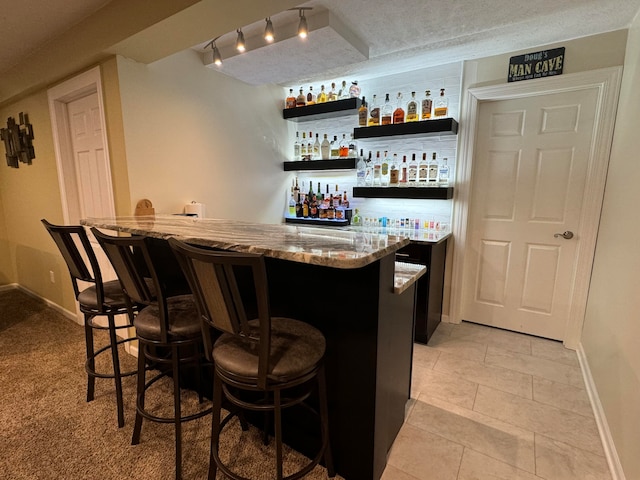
x=213, y=278
x=84, y=268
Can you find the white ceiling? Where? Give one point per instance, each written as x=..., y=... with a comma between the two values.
x=399, y=34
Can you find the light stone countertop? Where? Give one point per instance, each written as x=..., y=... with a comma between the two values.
x=313, y=245
x=405, y=275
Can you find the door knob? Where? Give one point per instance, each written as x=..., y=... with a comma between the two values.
x=566, y=235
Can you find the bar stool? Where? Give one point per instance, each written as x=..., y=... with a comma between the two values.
x=168, y=331
x=101, y=299
x=280, y=359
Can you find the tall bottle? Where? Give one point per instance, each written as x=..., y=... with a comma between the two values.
x=394, y=172
x=325, y=148
x=412, y=109
x=386, y=112
x=374, y=113
x=333, y=95
x=334, y=148
x=377, y=166
x=310, y=146
x=296, y=147
x=344, y=147
x=301, y=99
x=404, y=173
x=368, y=173
x=413, y=171
x=354, y=90
x=316, y=148
x=361, y=170
x=427, y=104
x=311, y=97
x=443, y=174
x=322, y=96
x=432, y=179
x=353, y=148
x=398, y=113
x=344, y=91
x=290, y=101
x=441, y=107
x=292, y=205
x=423, y=171
x=363, y=113
x=384, y=171
x=296, y=191
x=303, y=147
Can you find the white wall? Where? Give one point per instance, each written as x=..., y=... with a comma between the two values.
x=612, y=327
x=193, y=133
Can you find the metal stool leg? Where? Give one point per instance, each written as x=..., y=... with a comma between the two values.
x=116, y=368
x=142, y=368
x=91, y=364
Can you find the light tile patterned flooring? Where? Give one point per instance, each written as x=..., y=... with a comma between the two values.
x=493, y=404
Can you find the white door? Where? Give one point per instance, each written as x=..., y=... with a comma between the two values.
x=531, y=162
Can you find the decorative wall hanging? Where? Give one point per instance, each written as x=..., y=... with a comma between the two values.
x=546, y=63
x=18, y=141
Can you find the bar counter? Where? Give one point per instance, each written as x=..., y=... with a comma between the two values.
x=349, y=286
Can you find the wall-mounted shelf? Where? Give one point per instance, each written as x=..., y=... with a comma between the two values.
x=337, y=108
x=428, y=193
x=427, y=128
x=336, y=164
x=318, y=222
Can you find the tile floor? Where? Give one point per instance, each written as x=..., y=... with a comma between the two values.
x=492, y=404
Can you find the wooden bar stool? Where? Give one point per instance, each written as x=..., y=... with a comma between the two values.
x=100, y=299
x=279, y=360
x=167, y=328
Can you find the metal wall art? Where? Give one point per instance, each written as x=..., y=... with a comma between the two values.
x=18, y=141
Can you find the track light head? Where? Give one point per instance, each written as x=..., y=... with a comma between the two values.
x=269, y=35
x=303, y=30
x=217, y=58
x=240, y=46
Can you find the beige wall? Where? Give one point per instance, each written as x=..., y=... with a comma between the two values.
x=612, y=330
x=193, y=134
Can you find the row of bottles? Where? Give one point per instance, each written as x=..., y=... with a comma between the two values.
x=389, y=171
x=314, y=204
x=311, y=97
x=308, y=148
x=411, y=110
x=373, y=221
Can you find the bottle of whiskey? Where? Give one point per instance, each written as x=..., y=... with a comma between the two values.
x=310, y=147
x=374, y=113
x=412, y=109
x=335, y=147
x=344, y=91
x=344, y=147
x=398, y=113
x=404, y=174
x=296, y=147
x=363, y=114
x=377, y=167
x=432, y=178
x=316, y=149
x=386, y=112
x=333, y=95
x=394, y=172
x=441, y=106
x=327, y=198
x=423, y=171
x=353, y=148
x=290, y=101
x=368, y=173
x=313, y=205
x=361, y=170
x=345, y=200
x=413, y=171
x=427, y=103
x=443, y=174
x=305, y=207
x=325, y=148
x=322, y=96
x=301, y=100
x=311, y=97
x=337, y=198
x=303, y=147
x=384, y=171
x=296, y=191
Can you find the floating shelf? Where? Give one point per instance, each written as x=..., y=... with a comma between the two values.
x=427, y=128
x=316, y=221
x=336, y=164
x=337, y=108
x=428, y=193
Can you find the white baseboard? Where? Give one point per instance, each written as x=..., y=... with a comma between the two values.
x=601, y=420
x=63, y=311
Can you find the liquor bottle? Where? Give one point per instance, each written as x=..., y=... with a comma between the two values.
x=427, y=103
x=301, y=100
x=292, y=205
x=299, y=212
x=361, y=170
x=344, y=91
x=303, y=147
x=325, y=148
x=443, y=174
x=337, y=198
x=354, y=90
x=356, y=219
x=296, y=147
x=345, y=200
x=311, y=97
x=327, y=198
x=423, y=171
x=316, y=149
x=296, y=191
x=403, y=178
x=290, y=101
x=377, y=166
x=334, y=148
x=384, y=171
x=353, y=148
x=322, y=96
x=333, y=95
x=305, y=206
x=374, y=113
x=310, y=147
x=413, y=171
x=398, y=113
x=386, y=112
x=394, y=172
x=362, y=114
x=441, y=106
x=344, y=147
x=412, y=109
x=432, y=178
x=313, y=202
x=368, y=173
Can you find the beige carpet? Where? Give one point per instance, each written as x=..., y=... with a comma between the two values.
x=49, y=431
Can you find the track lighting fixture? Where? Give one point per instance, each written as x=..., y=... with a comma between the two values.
x=217, y=58
x=240, y=46
x=268, y=31
x=303, y=30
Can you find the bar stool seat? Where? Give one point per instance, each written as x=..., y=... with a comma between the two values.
x=181, y=323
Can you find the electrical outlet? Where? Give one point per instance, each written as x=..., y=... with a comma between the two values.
x=52, y=277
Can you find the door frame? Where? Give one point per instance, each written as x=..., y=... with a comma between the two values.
x=59, y=96
x=607, y=82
